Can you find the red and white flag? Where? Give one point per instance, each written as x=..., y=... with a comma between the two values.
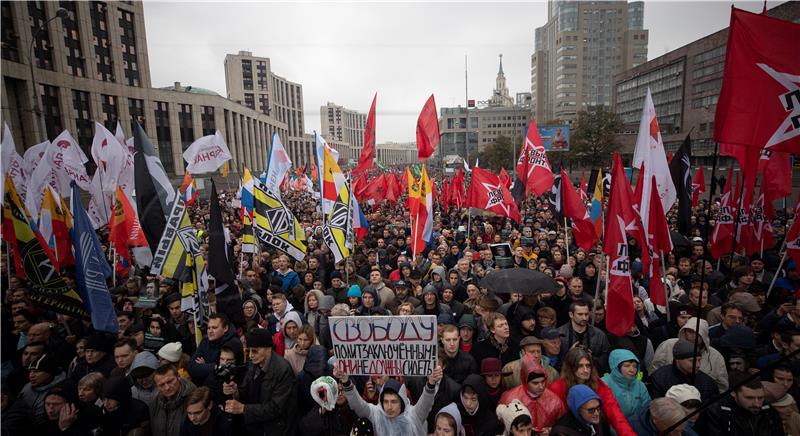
x=763, y=237
x=622, y=219
x=793, y=237
x=575, y=209
x=722, y=236
x=533, y=168
x=650, y=154
x=487, y=192
x=698, y=186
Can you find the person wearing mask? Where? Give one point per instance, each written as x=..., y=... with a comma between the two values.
x=631, y=393
x=218, y=333
x=545, y=406
x=577, y=369
x=680, y=372
x=497, y=344
x=267, y=397
x=586, y=415
x=578, y=330
x=743, y=413
x=394, y=415
x=474, y=406
x=122, y=414
x=168, y=409
x=459, y=363
x=202, y=416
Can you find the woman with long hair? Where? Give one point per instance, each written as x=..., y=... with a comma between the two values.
x=576, y=369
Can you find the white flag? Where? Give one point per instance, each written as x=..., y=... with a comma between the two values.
x=207, y=154
x=12, y=165
x=277, y=166
x=68, y=161
x=650, y=152
x=110, y=156
x=33, y=156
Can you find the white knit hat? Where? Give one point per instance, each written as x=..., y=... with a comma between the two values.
x=683, y=392
x=171, y=351
x=507, y=413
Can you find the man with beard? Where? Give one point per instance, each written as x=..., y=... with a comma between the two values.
x=578, y=330
x=401, y=296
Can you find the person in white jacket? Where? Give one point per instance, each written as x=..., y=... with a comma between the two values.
x=394, y=414
x=712, y=362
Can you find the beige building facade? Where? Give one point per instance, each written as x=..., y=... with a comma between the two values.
x=396, y=153
x=345, y=125
x=578, y=53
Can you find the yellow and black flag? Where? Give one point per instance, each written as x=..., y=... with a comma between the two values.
x=275, y=224
x=338, y=230
x=249, y=244
x=178, y=257
x=35, y=261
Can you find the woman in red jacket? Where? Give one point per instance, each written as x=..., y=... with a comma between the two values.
x=576, y=369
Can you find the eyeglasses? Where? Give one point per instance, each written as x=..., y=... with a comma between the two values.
x=592, y=410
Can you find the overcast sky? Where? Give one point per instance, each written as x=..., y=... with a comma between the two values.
x=345, y=52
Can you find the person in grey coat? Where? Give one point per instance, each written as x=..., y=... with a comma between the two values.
x=268, y=395
x=167, y=410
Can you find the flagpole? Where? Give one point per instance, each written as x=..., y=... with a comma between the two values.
x=597, y=285
x=348, y=226
x=663, y=275
x=780, y=265
x=113, y=267
x=566, y=237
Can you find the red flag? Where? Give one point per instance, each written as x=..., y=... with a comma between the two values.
x=505, y=178
x=698, y=186
x=533, y=168
x=622, y=219
x=314, y=171
x=434, y=189
x=359, y=185
x=487, y=192
x=368, y=151
x=376, y=189
x=722, y=236
x=745, y=239
x=776, y=174
x=124, y=229
x=427, y=130
x=393, y=189
x=793, y=237
x=574, y=208
x=444, y=200
x=763, y=237
x=458, y=189
x=659, y=243
x=759, y=104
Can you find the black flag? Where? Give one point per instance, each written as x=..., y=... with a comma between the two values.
x=148, y=204
x=219, y=265
x=680, y=169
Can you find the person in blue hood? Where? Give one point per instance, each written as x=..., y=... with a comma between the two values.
x=586, y=414
x=630, y=392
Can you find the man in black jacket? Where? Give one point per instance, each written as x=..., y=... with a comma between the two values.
x=743, y=414
x=203, y=416
x=459, y=364
x=680, y=372
x=268, y=395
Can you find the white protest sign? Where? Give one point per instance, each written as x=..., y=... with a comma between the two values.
x=385, y=345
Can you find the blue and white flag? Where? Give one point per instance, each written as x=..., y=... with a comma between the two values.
x=91, y=269
x=277, y=166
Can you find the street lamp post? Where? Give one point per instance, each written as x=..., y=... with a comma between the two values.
x=61, y=13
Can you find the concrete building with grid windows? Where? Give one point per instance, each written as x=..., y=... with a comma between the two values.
x=92, y=65
x=345, y=125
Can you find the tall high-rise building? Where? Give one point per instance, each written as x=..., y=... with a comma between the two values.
x=249, y=80
x=346, y=125
x=578, y=53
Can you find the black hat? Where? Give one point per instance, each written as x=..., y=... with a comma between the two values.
x=47, y=363
x=400, y=284
x=117, y=388
x=99, y=342
x=336, y=275
x=683, y=349
x=259, y=338
x=66, y=389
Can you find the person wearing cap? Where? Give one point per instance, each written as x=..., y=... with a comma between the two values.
x=394, y=414
x=338, y=289
x=689, y=398
x=492, y=373
x=630, y=392
x=430, y=303
x=402, y=295
x=533, y=392
x=742, y=413
x=680, y=371
x=173, y=353
x=663, y=329
x=267, y=397
x=531, y=347
x=476, y=408
x=98, y=357
x=711, y=362
x=122, y=414
x=585, y=414
x=43, y=374
x=459, y=363
x=551, y=347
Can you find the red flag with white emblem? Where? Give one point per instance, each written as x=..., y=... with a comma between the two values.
x=698, y=186
x=533, y=167
x=575, y=209
x=487, y=192
x=722, y=236
x=793, y=237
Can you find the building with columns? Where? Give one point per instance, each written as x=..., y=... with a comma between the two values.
x=344, y=125
x=93, y=65
x=396, y=153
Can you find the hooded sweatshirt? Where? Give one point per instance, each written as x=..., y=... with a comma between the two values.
x=631, y=393
x=483, y=421
x=145, y=359
x=280, y=341
x=711, y=363
x=452, y=410
x=547, y=407
x=411, y=419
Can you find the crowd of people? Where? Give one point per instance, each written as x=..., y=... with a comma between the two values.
x=508, y=364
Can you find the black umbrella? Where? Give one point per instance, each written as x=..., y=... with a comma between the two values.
x=520, y=280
